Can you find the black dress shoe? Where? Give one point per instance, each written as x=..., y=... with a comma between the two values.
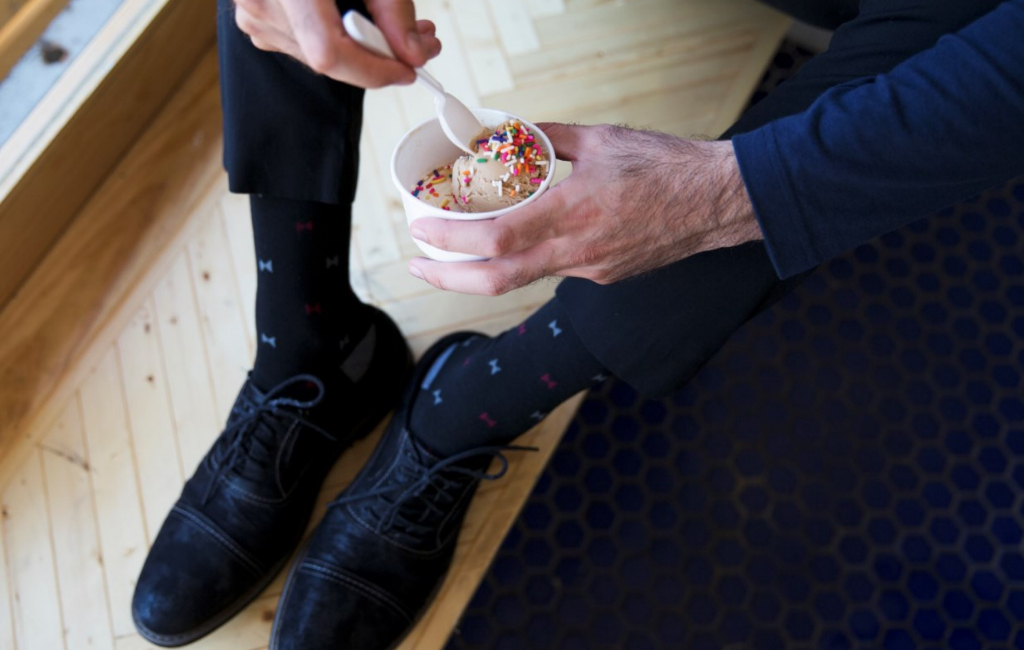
x=382, y=550
x=244, y=510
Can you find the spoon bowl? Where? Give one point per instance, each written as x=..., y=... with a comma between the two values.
x=457, y=121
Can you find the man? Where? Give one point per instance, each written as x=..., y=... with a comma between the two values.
x=915, y=105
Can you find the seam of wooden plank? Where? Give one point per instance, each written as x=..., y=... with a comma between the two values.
x=514, y=27
x=34, y=580
x=95, y=514
x=221, y=315
x=151, y=424
x=184, y=346
x=121, y=515
x=167, y=385
x=234, y=212
x=190, y=265
x=6, y=589
x=235, y=280
x=53, y=547
x=130, y=431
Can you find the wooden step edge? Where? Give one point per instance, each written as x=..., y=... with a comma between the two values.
x=83, y=126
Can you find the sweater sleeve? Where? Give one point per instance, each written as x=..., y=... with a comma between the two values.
x=872, y=155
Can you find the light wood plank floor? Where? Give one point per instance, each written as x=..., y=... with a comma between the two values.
x=121, y=355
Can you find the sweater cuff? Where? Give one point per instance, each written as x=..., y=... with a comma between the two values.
x=776, y=206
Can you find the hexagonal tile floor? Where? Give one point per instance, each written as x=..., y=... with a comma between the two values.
x=847, y=473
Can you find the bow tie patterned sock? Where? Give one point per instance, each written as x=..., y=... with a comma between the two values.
x=487, y=391
x=308, y=319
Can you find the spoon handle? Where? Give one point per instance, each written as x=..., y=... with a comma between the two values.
x=369, y=36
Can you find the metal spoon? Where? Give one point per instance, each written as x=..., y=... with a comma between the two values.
x=458, y=122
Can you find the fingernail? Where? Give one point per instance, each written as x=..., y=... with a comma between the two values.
x=413, y=40
x=416, y=273
x=418, y=234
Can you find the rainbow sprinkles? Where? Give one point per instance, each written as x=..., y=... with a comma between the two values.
x=508, y=167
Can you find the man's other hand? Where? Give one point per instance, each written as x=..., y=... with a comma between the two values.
x=311, y=31
x=635, y=201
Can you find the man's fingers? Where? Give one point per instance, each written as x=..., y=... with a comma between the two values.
x=397, y=19
x=426, y=27
x=489, y=238
x=569, y=140
x=318, y=32
x=264, y=36
x=267, y=12
x=490, y=278
x=358, y=66
x=431, y=44
x=513, y=232
x=326, y=48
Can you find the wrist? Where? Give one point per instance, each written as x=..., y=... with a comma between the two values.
x=732, y=219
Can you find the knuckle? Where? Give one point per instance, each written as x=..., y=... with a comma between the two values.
x=583, y=256
x=595, y=275
x=434, y=279
x=502, y=283
x=605, y=131
x=319, y=56
x=260, y=44
x=498, y=241
x=439, y=235
x=496, y=286
x=246, y=22
x=252, y=7
x=606, y=276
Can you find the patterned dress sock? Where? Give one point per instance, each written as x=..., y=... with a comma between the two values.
x=308, y=319
x=487, y=391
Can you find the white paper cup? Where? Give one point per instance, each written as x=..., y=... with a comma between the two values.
x=426, y=147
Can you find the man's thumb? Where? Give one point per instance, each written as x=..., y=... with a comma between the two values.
x=397, y=19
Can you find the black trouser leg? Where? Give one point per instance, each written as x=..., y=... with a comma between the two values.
x=289, y=133
x=291, y=140
x=656, y=331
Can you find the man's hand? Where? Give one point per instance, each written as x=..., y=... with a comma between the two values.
x=311, y=31
x=636, y=201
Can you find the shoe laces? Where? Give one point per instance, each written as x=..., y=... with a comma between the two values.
x=434, y=489
x=256, y=427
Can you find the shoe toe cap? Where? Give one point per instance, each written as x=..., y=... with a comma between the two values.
x=193, y=576
x=362, y=615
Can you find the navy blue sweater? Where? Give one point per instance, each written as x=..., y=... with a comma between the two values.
x=872, y=155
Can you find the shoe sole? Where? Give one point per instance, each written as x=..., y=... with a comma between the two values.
x=365, y=428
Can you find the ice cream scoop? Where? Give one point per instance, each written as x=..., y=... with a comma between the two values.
x=508, y=167
x=457, y=121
